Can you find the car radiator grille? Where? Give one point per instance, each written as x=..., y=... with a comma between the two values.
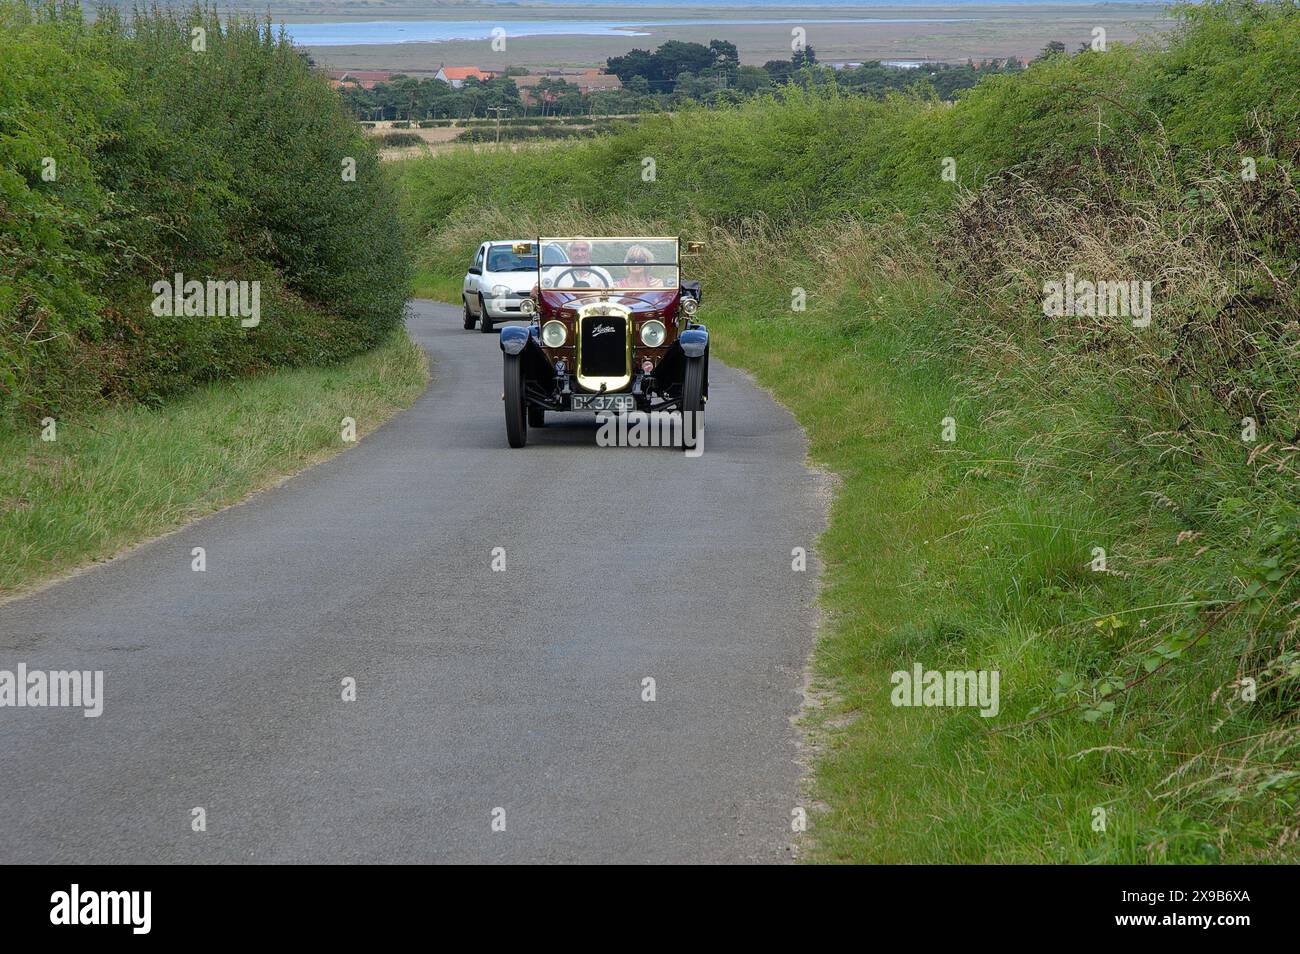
x=604, y=346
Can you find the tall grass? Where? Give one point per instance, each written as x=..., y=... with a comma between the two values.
x=1150, y=695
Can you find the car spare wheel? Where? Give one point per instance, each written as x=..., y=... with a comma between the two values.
x=484, y=322
x=469, y=315
x=516, y=413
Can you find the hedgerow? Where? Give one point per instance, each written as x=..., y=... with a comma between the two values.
x=130, y=152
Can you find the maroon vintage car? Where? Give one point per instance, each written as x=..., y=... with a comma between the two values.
x=611, y=328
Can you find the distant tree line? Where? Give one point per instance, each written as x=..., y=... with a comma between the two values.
x=675, y=74
x=412, y=98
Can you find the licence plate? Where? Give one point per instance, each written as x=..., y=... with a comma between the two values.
x=603, y=402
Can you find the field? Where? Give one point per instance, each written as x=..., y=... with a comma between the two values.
x=1000, y=31
x=398, y=139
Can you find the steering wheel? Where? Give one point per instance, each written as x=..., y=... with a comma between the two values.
x=594, y=275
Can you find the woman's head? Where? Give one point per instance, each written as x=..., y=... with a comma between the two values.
x=638, y=257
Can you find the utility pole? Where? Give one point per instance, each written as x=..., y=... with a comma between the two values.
x=498, y=110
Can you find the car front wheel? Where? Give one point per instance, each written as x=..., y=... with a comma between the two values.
x=484, y=320
x=693, y=397
x=468, y=315
x=516, y=413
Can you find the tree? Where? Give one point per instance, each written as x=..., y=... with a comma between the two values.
x=726, y=58
x=1053, y=48
x=633, y=63
x=806, y=56
x=751, y=79
x=778, y=70
x=677, y=56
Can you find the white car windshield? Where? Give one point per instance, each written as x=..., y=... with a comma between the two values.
x=626, y=263
x=503, y=258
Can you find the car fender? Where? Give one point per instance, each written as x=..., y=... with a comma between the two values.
x=694, y=341
x=514, y=338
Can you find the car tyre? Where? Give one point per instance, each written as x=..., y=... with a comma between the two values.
x=517, y=414
x=693, y=394
x=484, y=321
x=469, y=315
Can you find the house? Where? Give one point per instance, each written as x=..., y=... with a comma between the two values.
x=587, y=81
x=366, y=79
x=455, y=76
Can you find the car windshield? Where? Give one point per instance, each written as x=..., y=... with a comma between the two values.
x=503, y=258
x=631, y=263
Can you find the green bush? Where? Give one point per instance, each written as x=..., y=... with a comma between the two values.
x=516, y=133
x=226, y=164
x=401, y=139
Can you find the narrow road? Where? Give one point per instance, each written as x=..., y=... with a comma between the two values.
x=476, y=689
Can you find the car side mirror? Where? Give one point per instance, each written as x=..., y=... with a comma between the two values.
x=475, y=270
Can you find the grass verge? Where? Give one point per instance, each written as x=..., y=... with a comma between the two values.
x=975, y=555
x=127, y=474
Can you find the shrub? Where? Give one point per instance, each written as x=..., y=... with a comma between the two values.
x=401, y=139
x=166, y=161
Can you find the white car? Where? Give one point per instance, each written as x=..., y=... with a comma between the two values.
x=497, y=281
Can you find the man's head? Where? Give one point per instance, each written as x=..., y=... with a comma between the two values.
x=580, y=252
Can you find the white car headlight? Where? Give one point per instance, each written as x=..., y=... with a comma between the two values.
x=554, y=334
x=500, y=291
x=689, y=306
x=653, y=334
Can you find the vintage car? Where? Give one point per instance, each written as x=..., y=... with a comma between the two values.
x=500, y=277
x=612, y=329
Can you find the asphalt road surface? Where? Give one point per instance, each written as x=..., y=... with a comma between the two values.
x=476, y=690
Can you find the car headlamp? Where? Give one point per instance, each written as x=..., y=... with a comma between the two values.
x=653, y=334
x=527, y=306
x=554, y=334
x=689, y=306
x=500, y=291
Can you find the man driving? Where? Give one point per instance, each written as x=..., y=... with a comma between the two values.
x=581, y=273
